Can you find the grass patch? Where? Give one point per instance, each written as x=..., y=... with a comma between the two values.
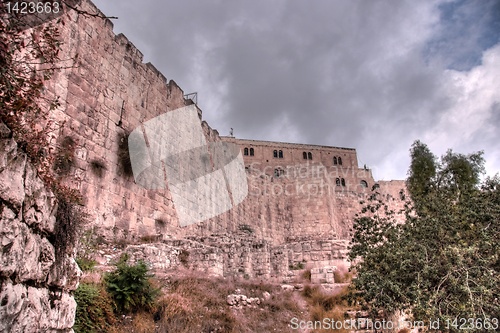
x=196, y=304
x=342, y=277
x=327, y=305
x=306, y=275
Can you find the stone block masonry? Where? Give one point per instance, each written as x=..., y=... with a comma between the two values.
x=35, y=289
x=298, y=194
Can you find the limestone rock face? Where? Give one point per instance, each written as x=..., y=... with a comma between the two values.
x=34, y=288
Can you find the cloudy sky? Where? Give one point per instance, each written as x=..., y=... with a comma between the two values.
x=372, y=75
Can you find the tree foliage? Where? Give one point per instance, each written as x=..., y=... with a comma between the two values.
x=444, y=260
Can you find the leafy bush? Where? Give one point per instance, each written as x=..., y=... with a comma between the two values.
x=94, y=309
x=130, y=287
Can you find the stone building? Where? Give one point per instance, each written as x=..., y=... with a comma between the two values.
x=301, y=201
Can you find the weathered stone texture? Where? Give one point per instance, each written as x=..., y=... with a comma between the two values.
x=322, y=275
x=35, y=291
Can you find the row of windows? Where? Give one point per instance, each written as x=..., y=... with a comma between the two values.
x=338, y=181
x=337, y=160
x=246, y=150
x=341, y=182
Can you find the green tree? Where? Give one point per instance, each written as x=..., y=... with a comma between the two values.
x=443, y=261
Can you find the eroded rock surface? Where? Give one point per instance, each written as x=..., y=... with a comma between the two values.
x=35, y=288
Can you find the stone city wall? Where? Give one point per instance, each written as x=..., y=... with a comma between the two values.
x=109, y=92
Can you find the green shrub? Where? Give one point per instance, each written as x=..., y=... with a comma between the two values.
x=94, y=309
x=130, y=287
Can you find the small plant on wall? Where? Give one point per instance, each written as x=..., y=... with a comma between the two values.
x=98, y=167
x=124, y=164
x=184, y=257
x=246, y=228
x=65, y=158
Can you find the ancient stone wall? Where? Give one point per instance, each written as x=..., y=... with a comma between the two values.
x=297, y=192
x=34, y=286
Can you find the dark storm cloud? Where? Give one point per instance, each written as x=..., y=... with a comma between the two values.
x=343, y=73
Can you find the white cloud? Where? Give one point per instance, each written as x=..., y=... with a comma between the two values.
x=473, y=118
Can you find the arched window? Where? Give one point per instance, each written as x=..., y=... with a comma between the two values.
x=364, y=184
x=304, y=154
x=342, y=181
x=245, y=151
x=280, y=154
x=340, y=160
x=335, y=161
x=251, y=151
x=337, y=181
x=309, y=156
x=275, y=154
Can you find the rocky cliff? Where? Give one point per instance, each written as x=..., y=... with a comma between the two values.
x=35, y=281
